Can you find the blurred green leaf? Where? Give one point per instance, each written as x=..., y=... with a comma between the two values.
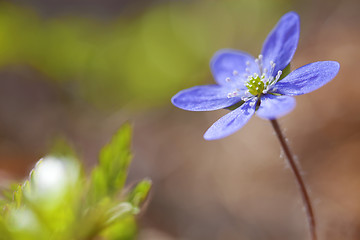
x=285, y=71
x=18, y=194
x=61, y=148
x=110, y=175
x=125, y=229
x=54, y=202
x=4, y=232
x=139, y=193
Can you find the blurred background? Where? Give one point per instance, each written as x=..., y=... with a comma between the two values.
x=78, y=69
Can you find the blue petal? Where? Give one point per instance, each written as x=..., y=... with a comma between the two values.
x=280, y=45
x=308, y=78
x=231, y=122
x=272, y=107
x=204, y=98
x=226, y=63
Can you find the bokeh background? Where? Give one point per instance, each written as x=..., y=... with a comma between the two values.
x=78, y=69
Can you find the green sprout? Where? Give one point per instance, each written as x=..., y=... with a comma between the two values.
x=59, y=202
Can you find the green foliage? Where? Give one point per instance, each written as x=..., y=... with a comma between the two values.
x=58, y=202
x=139, y=193
x=140, y=60
x=114, y=159
x=285, y=72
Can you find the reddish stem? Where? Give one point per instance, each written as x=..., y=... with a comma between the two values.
x=298, y=178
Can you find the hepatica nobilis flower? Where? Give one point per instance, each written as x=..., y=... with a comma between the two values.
x=256, y=85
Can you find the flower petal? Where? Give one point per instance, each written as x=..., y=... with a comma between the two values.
x=272, y=106
x=308, y=78
x=228, y=63
x=204, y=98
x=231, y=122
x=280, y=45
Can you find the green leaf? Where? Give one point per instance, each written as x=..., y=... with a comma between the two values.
x=121, y=230
x=139, y=193
x=12, y=196
x=285, y=72
x=120, y=211
x=4, y=232
x=54, y=204
x=132, y=204
x=108, y=178
x=18, y=194
x=236, y=105
x=61, y=148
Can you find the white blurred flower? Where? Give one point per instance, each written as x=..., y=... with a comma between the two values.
x=52, y=179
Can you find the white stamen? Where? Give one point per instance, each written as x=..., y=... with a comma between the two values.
x=272, y=64
x=227, y=79
x=235, y=72
x=266, y=83
x=245, y=99
x=260, y=63
x=232, y=94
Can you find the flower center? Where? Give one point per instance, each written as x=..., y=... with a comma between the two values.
x=255, y=84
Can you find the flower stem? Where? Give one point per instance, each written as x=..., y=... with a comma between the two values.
x=299, y=180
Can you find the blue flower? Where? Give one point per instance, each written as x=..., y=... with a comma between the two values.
x=255, y=85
